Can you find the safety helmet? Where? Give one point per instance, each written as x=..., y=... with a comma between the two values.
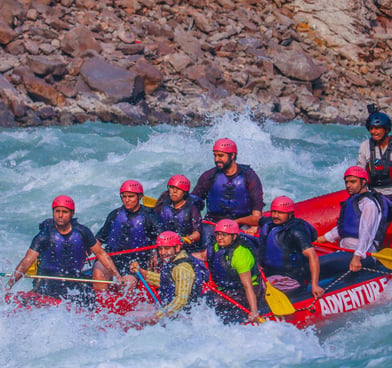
x=168, y=239
x=131, y=186
x=64, y=201
x=180, y=181
x=225, y=145
x=357, y=171
x=378, y=119
x=227, y=226
x=282, y=204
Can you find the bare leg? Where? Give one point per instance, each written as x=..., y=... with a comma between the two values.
x=101, y=273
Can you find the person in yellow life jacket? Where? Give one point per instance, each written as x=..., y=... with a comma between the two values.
x=180, y=279
x=375, y=153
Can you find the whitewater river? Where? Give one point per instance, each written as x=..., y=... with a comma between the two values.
x=89, y=162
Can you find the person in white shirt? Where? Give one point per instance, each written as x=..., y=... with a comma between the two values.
x=362, y=221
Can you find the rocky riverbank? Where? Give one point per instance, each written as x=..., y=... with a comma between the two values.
x=171, y=61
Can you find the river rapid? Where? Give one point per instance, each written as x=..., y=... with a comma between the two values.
x=89, y=162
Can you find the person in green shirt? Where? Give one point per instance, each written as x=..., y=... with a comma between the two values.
x=234, y=269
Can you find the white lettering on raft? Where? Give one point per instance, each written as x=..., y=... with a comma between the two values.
x=351, y=299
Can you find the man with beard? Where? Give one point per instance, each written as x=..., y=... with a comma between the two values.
x=180, y=280
x=375, y=153
x=232, y=191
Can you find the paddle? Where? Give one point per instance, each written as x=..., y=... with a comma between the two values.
x=278, y=301
x=149, y=201
x=384, y=255
x=127, y=251
x=59, y=278
x=224, y=296
x=148, y=287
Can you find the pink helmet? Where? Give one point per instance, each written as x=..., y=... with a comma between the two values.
x=131, y=186
x=357, y=171
x=282, y=204
x=180, y=181
x=64, y=201
x=227, y=226
x=168, y=239
x=225, y=145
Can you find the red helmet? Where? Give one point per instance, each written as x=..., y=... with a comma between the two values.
x=168, y=239
x=64, y=201
x=357, y=171
x=225, y=145
x=282, y=204
x=180, y=181
x=131, y=186
x=227, y=226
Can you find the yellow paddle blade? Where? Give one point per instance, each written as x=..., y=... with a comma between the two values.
x=149, y=201
x=33, y=268
x=278, y=301
x=385, y=257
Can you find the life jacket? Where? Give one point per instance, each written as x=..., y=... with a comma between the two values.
x=280, y=252
x=380, y=170
x=219, y=263
x=128, y=231
x=64, y=255
x=229, y=197
x=167, y=286
x=350, y=214
x=179, y=221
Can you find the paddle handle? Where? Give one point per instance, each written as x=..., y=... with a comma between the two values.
x=335, y=247
x=148, y=287
x=59, y=278
x=142, y=249
x=224, y=296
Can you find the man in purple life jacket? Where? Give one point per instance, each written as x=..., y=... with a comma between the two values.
x=287, y=255
x=362, y=222
x=61, y=247
x=232, y=191
x=128, y=227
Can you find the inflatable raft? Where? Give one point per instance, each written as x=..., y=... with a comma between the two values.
x=345, y=291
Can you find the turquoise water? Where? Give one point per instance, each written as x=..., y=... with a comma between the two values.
x=89, y=162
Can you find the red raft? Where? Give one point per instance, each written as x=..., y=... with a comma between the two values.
x=344, y=292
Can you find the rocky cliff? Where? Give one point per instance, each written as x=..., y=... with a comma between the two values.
x=172, y=61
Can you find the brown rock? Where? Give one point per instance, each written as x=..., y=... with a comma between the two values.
x=39, y=90
x=11, y=12
x=77, y=41
x=295, y=64
x=115, y=83
x=153, y=78
x=126, y=49
x=188, y=43
x=6, y=33
x=178, y=61
x=43, y=65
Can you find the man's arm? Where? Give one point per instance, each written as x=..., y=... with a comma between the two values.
x=314, y=266
x=105, y=259
x=22, y=267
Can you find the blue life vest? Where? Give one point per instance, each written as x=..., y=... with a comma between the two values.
x=178, y=221
x=229, y=198
x=350, y=214
x=167, y=286
x=65, y=255
x=127, y=232
x=219, y=262
x=281, y=252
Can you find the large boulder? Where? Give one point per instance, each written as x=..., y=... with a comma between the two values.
x=115, y=83
x=295, y=64
x=77, y=41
